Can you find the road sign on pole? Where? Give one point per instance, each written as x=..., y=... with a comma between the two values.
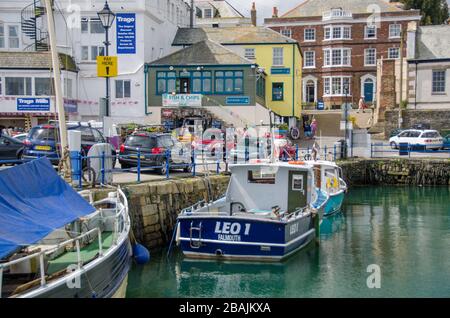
x=107, y=66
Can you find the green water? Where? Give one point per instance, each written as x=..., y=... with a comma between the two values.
x=406, y=231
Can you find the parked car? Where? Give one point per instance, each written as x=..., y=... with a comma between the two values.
x=423, y=139
x=153, y=149
x=20, y=137
x=43, y=140
x=10, y=148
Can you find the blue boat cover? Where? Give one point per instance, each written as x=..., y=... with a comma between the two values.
x=35, y=201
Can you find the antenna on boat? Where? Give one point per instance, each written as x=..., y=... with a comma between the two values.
x=65, y=158
x=272, y=138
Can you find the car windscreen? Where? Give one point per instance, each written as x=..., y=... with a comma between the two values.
x=165, y=141
x=430, y=134
x=42, y=134
x=140, y=141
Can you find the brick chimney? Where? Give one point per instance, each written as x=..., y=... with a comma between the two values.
x=253, y=14
x=275, y=12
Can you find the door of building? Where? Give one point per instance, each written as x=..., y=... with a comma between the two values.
x=185, y=85
x=368, y=90
x=310, y=92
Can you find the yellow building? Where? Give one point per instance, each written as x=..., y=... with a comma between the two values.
x=278, y=55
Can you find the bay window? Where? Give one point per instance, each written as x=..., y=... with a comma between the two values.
x=18, y=86
x=166, y=82
x=43, y=86
x=341, y=32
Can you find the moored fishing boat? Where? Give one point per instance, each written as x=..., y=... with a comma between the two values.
x=328, y=178
x=55, y=243
x=270, y=211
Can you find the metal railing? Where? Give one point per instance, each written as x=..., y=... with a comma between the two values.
x=381, y=150
x=121, y=225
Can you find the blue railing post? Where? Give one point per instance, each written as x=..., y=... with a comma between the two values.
x=217, y=166
x=371, y=150
x=194, y=165
x=334, y=152
x=325, y=152
x=139, y=165
x=80, y=163
x=167, y=164
x=296, y=152
x=103, y=168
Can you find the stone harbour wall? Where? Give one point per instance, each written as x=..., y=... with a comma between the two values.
x=154, y=206
x=396, y=171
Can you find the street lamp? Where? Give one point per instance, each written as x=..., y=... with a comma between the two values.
x=107, y=17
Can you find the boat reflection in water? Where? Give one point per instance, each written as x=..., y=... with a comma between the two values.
x=331, y=225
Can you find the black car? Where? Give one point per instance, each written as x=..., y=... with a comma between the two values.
x=154, y=149
x=10, y=148
x=43, y=140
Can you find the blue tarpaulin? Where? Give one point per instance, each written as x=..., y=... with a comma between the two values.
x=35, y=201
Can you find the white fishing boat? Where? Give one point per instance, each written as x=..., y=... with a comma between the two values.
x=270, y=211
x=55, y=242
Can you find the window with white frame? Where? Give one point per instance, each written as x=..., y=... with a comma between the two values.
x=310, y=34
x=43, y=86
x=84, y=25
x=438, y=78
x=2, y=36
x=334, y=57
x=249, y=53
x=341, y=32
x=278, y=56
x=85, y=53
x=310, y=59
x=96, y=26
x=370, y=57
x=97, y=51
x=123, y=88
x=336, y=85
x=13, y=36
x=1, y=86
x=18, y=86
x=394, y=53
x=286, y=32
x=68, y=87
x=370, y=32
x=395, y=30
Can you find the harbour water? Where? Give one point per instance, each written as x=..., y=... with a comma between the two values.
x=403, y=230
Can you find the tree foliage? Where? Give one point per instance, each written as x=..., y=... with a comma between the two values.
x=432, y=11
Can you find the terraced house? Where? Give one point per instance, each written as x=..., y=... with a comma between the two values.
x=341, y=42
x=278, y=57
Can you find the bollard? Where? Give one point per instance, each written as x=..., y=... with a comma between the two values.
x=139, y=166
x=296, y=152
x=334, y=152
x=218, y=166
x=103, y=168
x=325, y=152
x=167, y=164
x=371, y=150
x=194, y=165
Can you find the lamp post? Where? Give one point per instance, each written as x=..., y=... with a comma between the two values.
x=106, y=17
x=346, y=91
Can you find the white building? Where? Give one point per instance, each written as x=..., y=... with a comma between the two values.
x=147, y=31
x=219, y=14
x=429, y=67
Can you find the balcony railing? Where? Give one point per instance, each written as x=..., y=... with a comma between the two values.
x=336, y=15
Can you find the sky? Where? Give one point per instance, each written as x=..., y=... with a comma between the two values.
x=264, y=7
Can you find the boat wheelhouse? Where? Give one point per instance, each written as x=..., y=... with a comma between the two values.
x=269, y=212
x=328, y=178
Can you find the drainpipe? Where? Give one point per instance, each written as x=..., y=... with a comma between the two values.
x=146, y=112
x=415, y=89
x=191, y=25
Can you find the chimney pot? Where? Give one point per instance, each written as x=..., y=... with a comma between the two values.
x=253, y=14
x=275, y=12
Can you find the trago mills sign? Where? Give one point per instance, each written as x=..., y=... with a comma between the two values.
x=181, y=100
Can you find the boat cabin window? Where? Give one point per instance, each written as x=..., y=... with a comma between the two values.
x=263, y=175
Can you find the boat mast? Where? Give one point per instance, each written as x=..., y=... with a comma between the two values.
x=58, y=91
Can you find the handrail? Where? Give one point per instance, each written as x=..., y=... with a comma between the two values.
x=41, y=254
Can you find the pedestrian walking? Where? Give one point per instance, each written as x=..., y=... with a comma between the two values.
x=313, y=128
x=361, y=104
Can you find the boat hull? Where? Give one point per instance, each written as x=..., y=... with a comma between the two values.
x=106, y=278
x=243, y=239
x=334, y=203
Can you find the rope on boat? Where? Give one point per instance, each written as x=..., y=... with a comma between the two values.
x=175, y=229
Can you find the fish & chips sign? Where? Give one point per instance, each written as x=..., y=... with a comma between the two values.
x=181, y=100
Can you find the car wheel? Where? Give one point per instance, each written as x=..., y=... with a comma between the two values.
x=393, y=145
x=188, y=169
x=163, y=169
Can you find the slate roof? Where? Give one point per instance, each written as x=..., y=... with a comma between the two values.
x=433, y=42
x=230, y=35
x=34, y=60
x=317, y=7
x=203, y=53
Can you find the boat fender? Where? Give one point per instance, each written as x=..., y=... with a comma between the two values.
x=219, y=252
x=141, y=254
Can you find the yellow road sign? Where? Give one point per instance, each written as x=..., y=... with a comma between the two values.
x=107, y=66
